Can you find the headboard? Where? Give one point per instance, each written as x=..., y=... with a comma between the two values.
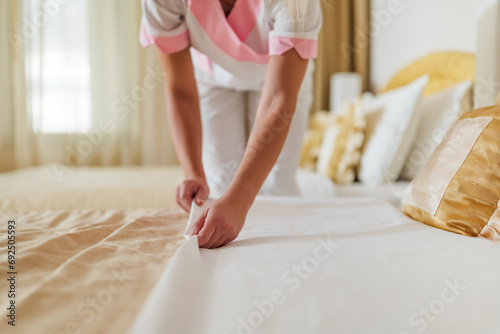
x=488, y=54
x=405, y=33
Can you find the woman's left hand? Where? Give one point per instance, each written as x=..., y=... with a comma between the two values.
x=221, y=222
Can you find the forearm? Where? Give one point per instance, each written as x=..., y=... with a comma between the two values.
x=274, y=116
x=183, y=110
x=185, y=125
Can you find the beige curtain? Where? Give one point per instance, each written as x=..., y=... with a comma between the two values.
x=344, y=45
x=126, y=100
x=119, y=90
x=15, y=138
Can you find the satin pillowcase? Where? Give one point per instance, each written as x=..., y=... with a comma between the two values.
x=458, y=190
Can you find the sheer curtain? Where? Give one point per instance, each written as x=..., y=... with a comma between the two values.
x=16, y=141
x=91, y=94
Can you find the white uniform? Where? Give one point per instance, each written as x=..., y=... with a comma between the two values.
x=230, y=57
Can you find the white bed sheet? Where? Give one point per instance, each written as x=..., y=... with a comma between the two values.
x=365, y=267
x=391, y=192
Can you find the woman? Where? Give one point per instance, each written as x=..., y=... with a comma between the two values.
x=243, y=90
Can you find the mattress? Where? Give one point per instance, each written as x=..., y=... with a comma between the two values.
x=93, y=244
x=336, y=266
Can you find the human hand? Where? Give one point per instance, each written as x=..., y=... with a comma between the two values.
x=220, y=223
x=194, y=188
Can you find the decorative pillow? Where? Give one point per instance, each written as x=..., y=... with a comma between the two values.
x=313, y=137
x=341, y=145
x=445, y=69
x=391, y=127
x=458, y=189
x=437, y=113
x=311, y=145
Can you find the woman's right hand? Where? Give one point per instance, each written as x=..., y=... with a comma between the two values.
x=193, y=188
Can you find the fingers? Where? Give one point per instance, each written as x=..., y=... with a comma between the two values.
x=213, y=239
x=219, y=242
x=221, y=236
x=227, y=240
x=201, y=195
x=204, y=229
x=184, y=196
x=200, y=222
x=189, y=190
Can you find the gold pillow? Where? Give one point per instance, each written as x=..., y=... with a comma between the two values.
x=340, y=152
x=445, y=69
x=458, y=190
x=312, y=139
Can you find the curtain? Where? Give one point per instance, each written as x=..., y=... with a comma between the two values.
x=15, y=140
x=77, y=88
x=344, y=46
x=127, y=87
x=101, y=100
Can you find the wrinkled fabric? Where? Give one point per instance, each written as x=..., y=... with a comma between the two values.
x=87, y=270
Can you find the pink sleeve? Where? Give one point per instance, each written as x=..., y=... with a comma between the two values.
x=163, y=24
x=306, y=48
x=169, y=44
x=289, y=32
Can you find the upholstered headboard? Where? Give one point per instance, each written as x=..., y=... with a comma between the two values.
x=488, y=53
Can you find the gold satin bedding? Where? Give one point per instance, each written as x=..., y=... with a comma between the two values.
x=90, y=246
x=470, y=202
x=87, y=270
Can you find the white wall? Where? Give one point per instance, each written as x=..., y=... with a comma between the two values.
x=406, y=30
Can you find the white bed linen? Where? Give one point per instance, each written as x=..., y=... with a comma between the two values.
x=391, y=192
x=369, y=268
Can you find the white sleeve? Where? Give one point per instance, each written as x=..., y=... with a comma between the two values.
x=298, y=33
x=163, y=24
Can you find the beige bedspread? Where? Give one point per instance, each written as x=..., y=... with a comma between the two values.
x=47, y=188
x=86, y=271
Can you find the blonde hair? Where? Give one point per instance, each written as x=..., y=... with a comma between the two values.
x=297, y=8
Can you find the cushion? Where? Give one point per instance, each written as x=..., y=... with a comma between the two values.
x=391, y=127
x=313, y=137
x=341, y=145
x=437, y=114
x=445, y=69
x=458, y=189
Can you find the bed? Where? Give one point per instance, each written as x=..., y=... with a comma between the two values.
x=94, y=241
x=103, y=251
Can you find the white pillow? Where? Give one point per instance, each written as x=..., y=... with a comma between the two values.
x=438, y=112
x=391, y=127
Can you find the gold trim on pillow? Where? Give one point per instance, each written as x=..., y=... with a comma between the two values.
x=469, y=205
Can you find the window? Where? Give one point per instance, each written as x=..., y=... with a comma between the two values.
x=57, y=65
